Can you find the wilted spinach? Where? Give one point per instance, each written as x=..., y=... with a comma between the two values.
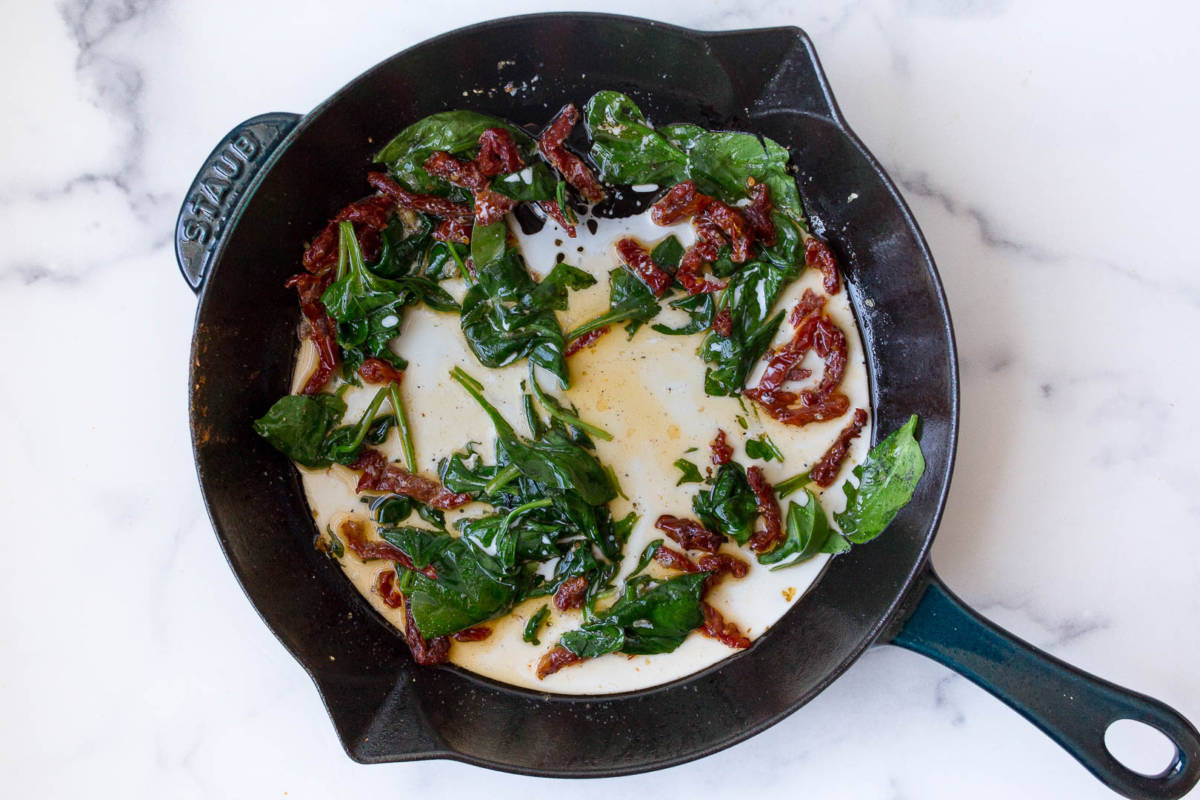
x=806, y=533
x=690, y=472
x=750, y=296
x=763, y=448
x=628, y=300
x=298, y=424
x=886, y=482
x=530, y=634
x=729, y=505
x=651, y=617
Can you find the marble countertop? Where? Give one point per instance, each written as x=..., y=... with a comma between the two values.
x=1047, y=154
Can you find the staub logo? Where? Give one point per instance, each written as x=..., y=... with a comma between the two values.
x=227, y=174
x=206, y=205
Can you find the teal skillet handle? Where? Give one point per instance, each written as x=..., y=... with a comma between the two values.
x=227, y=177
x=1072, y=707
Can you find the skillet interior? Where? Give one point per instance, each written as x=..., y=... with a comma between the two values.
x=385, y=708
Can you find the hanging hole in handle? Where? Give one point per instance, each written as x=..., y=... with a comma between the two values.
x=1140, y=747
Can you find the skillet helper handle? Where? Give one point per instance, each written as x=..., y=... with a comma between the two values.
x=1072, y=707
x=220, y=185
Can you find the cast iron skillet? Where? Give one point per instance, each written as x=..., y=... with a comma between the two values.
x=275, y=179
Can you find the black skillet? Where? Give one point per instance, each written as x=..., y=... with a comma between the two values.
x=275, y=179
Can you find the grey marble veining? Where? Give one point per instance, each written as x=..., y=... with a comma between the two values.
x=1047, y=152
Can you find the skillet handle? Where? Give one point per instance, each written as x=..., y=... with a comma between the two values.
x=227, y=176
x=1072, y=707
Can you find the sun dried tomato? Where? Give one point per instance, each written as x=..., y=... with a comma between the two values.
x=425, y=203
x=476, y=634
x=724, y=632
x=673, y=559
x=355, y=537
x=586, y=340
x=758, y=214
x=639, y=260
x=376, y=370
x=570, y=593
x=689, y=533
x=490, y=206
x=385, y=587
x=681, y=202
x=321, y=327
x=809, y=303
x=830, y=344
x=723, y=564
x=554, y=660
x=707, y=247
x=453, y=230
x=826, y=470
x=498, y=153
x=572, y=168
x=723, y=323
x=369, y=216
x=733, y=225
x=764, y=540
x=554, y=211
x=426, y=652
x=817, y=255
x=722, y=451
x=380, y=476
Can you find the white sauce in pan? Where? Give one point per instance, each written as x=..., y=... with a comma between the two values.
x=649, y=393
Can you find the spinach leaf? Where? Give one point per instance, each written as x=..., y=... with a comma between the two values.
x=530, y=634
x=534, y=183
x=749, y=298
x=296, y=425
x=691, y=473
x=729, y=505
x=456, y=132
x=554, y=462
x=463, y=595
x=789, y=485
x=488, y=242
x=649, y=618
x=886, y=482
x=343, y=444
x=646, y=557
x=568, y=418
x=446, y=260
x=507, y=316
x=628, y=299
x=667, y=254
x=701, y=308
x=807, y=533
x=404, y=240
x=624, y=146
x=495, y=539
x=764, y=449
x=627, y=149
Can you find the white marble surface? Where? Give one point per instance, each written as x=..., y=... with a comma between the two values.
x=1049, y=155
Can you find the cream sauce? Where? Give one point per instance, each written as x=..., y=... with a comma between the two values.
x=648, y=392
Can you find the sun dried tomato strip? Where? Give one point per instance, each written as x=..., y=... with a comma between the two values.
x=498, y=153
x=722, y=451
x=554, y=660
x=673, y=559
x=639, y=260
x=376, y=370
x=425, y=203
x=786, y=411
x=826, y=470
x=570, y=593
x=723, y=564
x=367, y=550
x=723, y=323
x=426, y=652
x=817, y=255
x=586, y=340
x=709, y=240
x=554, y=211
x=681, y=202
x=809, y=303
x=321, y=327
x=830, y=344
x=733, y=225
x=385, y=587
x=764, y=540
x=573, y=170
x=380, y=476
x=490, y=206
x=476, y=634
x=758, y=214
x=689, y=533
x=453, y=230
x=724, y=632
x=369, y=216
